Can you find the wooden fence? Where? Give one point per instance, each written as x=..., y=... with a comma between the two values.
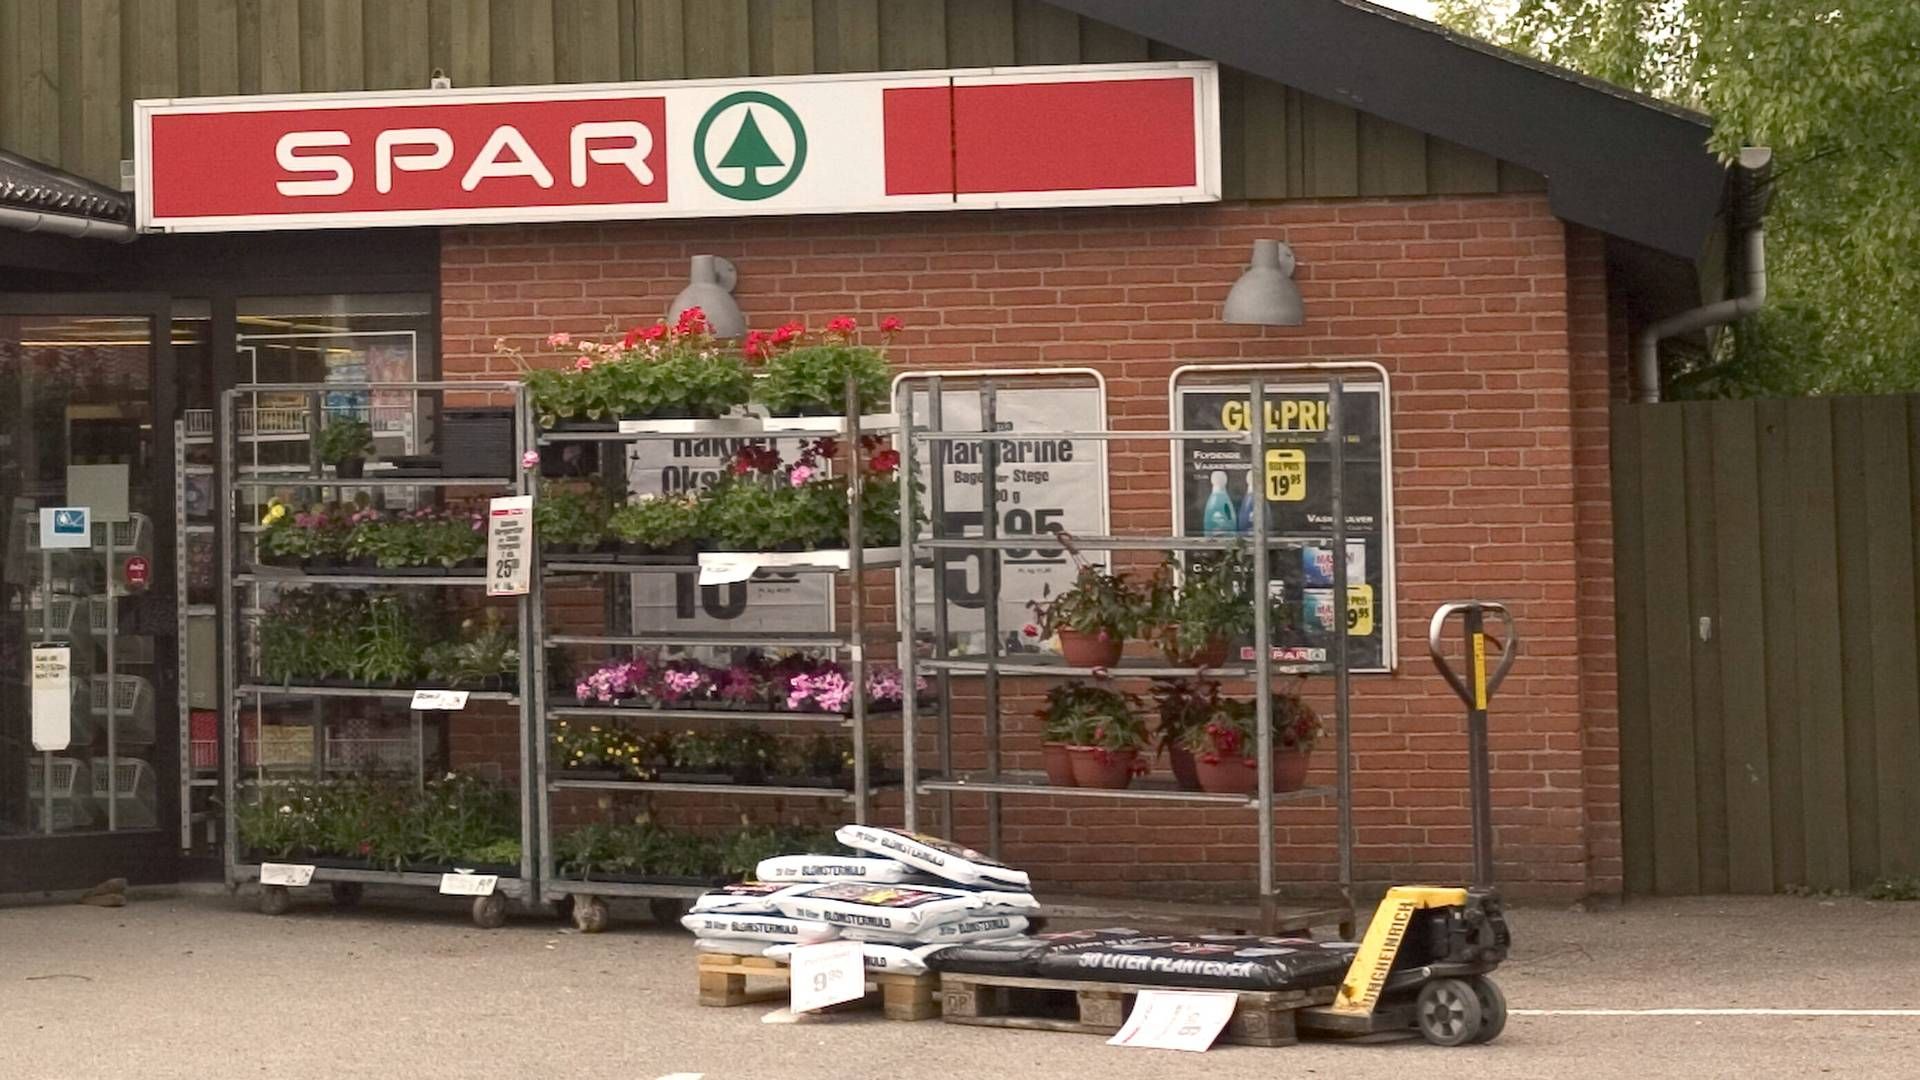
x=1769, y=684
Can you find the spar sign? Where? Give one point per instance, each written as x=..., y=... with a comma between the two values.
x=978, y=139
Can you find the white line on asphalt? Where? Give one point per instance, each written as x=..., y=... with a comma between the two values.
x=683, y=1076
x=1716, y=1012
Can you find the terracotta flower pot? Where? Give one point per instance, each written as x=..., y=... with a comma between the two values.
x=1097, y=768
x=1059, y=764
x=1236, y=776
x=1185, y=773
x=1090, y=650
x=1212, y=655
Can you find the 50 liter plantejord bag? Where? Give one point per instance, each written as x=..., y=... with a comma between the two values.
x=821, y=868
x=1208, y=961
x=941, y=858
x=902, y=910
x=1018, y=956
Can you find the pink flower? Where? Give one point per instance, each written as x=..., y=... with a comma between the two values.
x=787, y=332
x=585, y=363
x=800, y=475
x=891, y=324
x=530, y=459
x=559, y=339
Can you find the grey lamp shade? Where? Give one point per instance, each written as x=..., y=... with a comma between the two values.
x=1265, y=295
x=710, y=288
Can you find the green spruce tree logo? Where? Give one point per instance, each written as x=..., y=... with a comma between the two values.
x=750, y=153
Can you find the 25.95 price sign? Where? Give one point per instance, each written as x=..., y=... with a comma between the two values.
x=1217, y=492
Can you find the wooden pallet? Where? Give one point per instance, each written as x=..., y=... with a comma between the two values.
x=723, y=982
x=1262, y=1018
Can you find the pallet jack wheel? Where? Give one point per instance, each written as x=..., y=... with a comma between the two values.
x=1493, y=1008
x=589, y=914
x=1448, y=1012
x=668, y=910
x=490, y=912
x=275, y=900
x=346, y=894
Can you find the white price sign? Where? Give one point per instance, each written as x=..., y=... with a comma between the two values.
x=720, y=568
x=510, y=545
x=1176, y=1019
x=439, y=700
x=291, y=875
x=52, y=697
x=826, y=974
x=462, y=883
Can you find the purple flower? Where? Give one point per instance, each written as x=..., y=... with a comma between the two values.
x=800, y=475
x=530, y=459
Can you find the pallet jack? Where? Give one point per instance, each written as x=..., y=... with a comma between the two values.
x=1426, y=959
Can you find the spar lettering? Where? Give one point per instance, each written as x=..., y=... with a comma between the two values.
x=505, y=153
x=1289, y=414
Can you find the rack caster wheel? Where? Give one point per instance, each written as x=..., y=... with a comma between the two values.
x=1448, y=1012
x=668, y=911
x=1493, y=1008
x=347, y=894
x=589, y=914
x=275, y=900
x=490, y=912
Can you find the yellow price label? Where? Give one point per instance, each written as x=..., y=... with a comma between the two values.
x=1359, y=610
x=1286, y=475
x=1479, y=671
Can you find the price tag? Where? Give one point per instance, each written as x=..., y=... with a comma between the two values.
x=1176, y=1019
x=826, y=974
x=464, y=883
x=439, y=700
x=1286, y=475
x=509, y=545
x=52, y=697
x=1359, y=610
x=288, y=874
x=719, y=568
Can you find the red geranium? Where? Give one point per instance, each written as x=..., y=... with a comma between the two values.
x=891, y=324
x=787, y=332
x=692, y=321
x=842, y=324
x=632, y=338
x=756, y=346
x=886, y=460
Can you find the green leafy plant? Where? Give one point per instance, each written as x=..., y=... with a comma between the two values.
x=1213, y=603
x=1097, y=602
x=570, y=516
x=1184, y=706
x=343, y=439
x=658, y=522
x=488, y=648
x=1095, y=716
x=390, y=642
x=1231, y=729
x=811, y=380
x=655, y=372
x=600, y=746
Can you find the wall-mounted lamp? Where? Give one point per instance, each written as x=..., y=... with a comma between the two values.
x=1266, y=295
x=710, y=288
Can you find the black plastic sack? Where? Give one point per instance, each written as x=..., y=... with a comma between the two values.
x=1211, y=961
x=1016, y=955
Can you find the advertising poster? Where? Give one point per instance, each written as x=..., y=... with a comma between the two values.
x=1215, y=496
x=1043, y=485
x=770, y=602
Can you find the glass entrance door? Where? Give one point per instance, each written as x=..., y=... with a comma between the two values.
x=88, y=716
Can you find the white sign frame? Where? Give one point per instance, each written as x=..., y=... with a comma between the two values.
x=823, y=975
x=519, y=509
x=52, y=697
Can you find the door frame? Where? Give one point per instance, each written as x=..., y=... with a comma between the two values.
x=49, y=863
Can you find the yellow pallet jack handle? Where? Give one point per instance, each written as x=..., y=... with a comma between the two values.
x=1367, y=975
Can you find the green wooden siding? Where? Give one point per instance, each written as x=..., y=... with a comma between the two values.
x=1769, y=643
x=70, y=69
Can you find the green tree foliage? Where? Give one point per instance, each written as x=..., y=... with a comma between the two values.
x=1833, y=87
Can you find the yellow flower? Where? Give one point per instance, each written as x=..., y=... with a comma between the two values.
x=274, y=513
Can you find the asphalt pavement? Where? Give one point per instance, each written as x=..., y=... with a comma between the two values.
x=202, y=986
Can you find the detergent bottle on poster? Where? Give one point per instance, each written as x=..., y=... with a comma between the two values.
x=1218, y=518
x=1245, y=522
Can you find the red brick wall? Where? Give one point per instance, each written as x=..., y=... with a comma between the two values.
x=1490, y=316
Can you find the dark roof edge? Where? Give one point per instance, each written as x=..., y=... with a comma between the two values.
x=26, y=184
x=1615, y=161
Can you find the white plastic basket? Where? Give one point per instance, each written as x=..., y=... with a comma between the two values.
x=132, y=788
x=72, y=793
x=65, y=612
x=133, y=700
x=128, y=648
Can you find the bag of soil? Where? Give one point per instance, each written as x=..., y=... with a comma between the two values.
x=902, y=910
x=879, y=957
x=822, y=868
x=772, y=928
x=948, y=933
x=742, y=898
x=734, y=946
x=941, y=858
x=1018, y=956
x=1210, y=961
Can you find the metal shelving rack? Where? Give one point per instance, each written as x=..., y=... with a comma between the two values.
x=237, y=479
x=994, y=783
x=588, y=898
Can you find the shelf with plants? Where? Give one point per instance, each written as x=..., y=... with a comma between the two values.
x=337, y=617
x=1161, y=684
x=625, y=712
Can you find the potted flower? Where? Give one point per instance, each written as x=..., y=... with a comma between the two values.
x=1225, y=753
x=487, y=656
x=344, y=444
x=662, y=371
x=1108, y=737
x=570, y=521
x=1060, y=728
x=808, y=376
x=1198, y=619
x=657, y=526
x=1092, y=618
x=1184, y=706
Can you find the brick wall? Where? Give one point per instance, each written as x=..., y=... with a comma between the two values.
x=1491, y=317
